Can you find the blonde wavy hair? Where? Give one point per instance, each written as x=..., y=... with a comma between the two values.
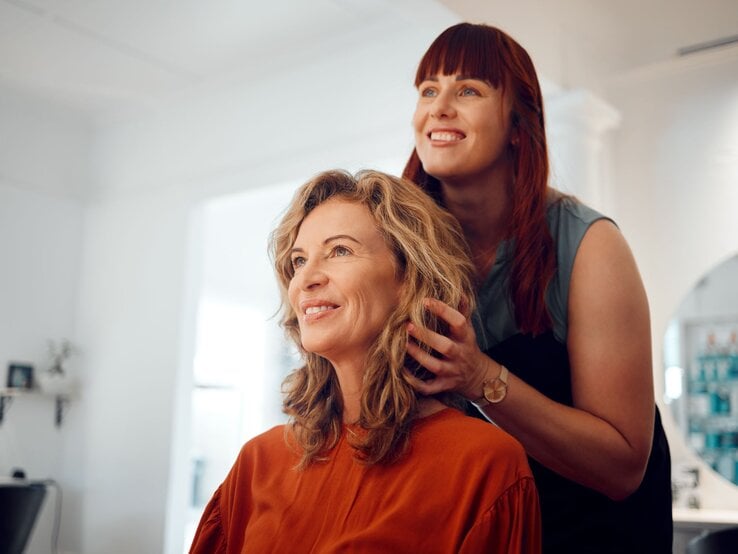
x=432, y=260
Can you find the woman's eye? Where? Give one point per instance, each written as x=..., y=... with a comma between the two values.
x=298, y=261
x=468, y=91
x=428, y=92
x=341, y=251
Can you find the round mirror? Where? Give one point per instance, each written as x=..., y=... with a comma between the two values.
x=701, y=359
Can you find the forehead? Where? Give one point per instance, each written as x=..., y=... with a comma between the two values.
x=338, y=216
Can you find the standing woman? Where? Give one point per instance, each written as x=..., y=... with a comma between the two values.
x=560, y=353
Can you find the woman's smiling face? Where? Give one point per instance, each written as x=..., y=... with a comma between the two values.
x=345, y=283
x=462, y=126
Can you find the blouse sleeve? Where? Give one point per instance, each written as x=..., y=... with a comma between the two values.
x=512, y=525
x=209, y=537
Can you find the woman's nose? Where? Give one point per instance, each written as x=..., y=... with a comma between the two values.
x=443, y=106
x=311, y=275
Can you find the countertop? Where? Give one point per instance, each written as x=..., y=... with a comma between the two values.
x=704, y=518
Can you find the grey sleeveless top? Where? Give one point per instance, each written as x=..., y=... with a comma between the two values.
x=575, y=519
x=568, y=221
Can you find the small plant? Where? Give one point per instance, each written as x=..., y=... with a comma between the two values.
x=59, y=352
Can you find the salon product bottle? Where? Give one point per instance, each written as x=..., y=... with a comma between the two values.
x=732, y=355
x=708, y=359
x=726, y=466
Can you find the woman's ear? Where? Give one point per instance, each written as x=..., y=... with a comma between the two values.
x=402, y=288
x=514, y=136
x=399, y=293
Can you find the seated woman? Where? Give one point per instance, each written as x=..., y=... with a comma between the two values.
x=365, y=463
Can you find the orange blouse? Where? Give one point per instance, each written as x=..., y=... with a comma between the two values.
x=464, y=486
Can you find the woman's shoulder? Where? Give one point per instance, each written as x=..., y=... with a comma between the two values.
x=569, y=217
x=569, y=220
x=268, y=443
x=469, y=436
x=264, y=452
x=467, y=452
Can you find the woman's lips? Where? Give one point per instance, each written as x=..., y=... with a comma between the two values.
x=314, y=310
x=317, y=309
x=446, y=135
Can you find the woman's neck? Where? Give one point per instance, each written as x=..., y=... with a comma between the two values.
x=351, y=382
x=350, y=377
x=483, y=209
x=427, y=406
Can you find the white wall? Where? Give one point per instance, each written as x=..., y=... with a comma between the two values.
x=131, y=292
x=676, y=190
x=43, y=171
x=43, y=147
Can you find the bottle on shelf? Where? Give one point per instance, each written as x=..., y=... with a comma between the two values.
x=710, y=358
x=703, y=400
x=732, y=355
x=699, y=375
x=725, y=401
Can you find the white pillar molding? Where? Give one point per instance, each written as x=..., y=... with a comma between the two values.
x=578, y=124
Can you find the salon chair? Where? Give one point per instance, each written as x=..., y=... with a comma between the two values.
x=20, y=503
x=722, y=541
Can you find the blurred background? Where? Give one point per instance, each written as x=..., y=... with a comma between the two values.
x=148, y=147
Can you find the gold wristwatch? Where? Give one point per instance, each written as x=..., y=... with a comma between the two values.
x=493, y=390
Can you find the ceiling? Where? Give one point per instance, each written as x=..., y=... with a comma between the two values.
x=581, y=42
x=98, y=56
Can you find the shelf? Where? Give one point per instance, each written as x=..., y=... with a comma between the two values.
x=700, y=517
x=722, y=422
x=711, y=385
x=8, y=394
x=720, y=449
x=11, y=392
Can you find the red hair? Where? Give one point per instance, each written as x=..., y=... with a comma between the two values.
x=487, y=53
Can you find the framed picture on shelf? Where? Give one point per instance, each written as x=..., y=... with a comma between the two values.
x=20, y=376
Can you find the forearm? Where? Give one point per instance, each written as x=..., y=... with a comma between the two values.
x=571, y=441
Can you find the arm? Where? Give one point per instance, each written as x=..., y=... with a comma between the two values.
x=604, y=440
x=512, y=525
x=209, y=537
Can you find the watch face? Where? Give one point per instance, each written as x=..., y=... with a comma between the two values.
x=495, y=391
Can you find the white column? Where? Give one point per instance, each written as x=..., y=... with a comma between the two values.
x=578, y=125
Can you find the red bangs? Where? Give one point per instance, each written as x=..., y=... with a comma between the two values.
x=464, y=49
